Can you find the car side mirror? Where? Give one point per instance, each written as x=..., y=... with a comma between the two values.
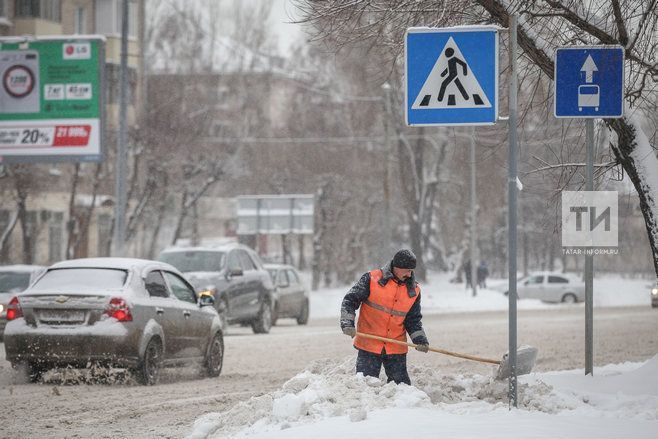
x=235, y=271
x=206, y=299
x=526, y=282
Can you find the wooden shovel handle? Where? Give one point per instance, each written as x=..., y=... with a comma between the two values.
x=440, y=351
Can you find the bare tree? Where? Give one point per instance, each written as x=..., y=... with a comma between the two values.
x=544, y=25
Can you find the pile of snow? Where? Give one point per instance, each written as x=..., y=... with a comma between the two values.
x=328, y=400
x=440, y=296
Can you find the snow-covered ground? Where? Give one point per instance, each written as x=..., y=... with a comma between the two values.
x=328, y=401
x=440, y=296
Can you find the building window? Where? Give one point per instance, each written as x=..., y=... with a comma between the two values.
x=45, y=9
x=80, y=20
x=108, y=17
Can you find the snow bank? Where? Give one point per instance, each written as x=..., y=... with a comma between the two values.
x=328, y=400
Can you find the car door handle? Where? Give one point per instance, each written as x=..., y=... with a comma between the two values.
x=186, y=313
x=159, y=311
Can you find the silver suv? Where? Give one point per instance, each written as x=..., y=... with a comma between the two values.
x=234, y=275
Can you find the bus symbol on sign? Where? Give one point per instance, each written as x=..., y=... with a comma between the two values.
x=588, y=96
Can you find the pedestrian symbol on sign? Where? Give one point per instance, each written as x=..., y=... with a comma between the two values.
x=452, y=70
x=448, y=86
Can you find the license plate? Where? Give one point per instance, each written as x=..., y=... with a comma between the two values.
x=62, y=315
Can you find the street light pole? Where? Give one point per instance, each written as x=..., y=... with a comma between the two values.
x=511, y=213
x=388, y=117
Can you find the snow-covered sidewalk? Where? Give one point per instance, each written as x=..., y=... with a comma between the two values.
x=441, y=296
x=328, y=400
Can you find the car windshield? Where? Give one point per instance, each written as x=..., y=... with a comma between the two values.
x=187, y=261
x=76, y=279
x=13, y=282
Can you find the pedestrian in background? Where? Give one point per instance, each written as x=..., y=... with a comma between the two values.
x=483, y=273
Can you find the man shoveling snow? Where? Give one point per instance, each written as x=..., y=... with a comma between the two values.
x=390, y=307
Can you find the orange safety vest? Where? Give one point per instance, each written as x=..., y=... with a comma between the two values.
x=383, y=314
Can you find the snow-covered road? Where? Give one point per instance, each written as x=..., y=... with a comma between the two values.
x=258, y=364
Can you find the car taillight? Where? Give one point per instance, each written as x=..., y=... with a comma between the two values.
x=14, y=310
x=119, y=309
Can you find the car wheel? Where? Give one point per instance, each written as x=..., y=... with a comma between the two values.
x=275, y=314
x=149, y=367
x=302, y=318
x=263, y=321
x=215, y=356
x=34, y=370
x=569, y=298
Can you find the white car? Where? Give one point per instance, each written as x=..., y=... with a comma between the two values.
x=549, y=287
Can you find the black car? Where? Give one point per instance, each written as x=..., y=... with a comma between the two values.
x=235, y=276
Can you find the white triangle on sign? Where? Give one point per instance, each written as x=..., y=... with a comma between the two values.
x=452, y=80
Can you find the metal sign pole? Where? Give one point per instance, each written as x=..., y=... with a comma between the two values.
x=511, y=214
x=474, y=256
x=589, y=259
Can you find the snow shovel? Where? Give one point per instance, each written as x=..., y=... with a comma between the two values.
x=525, y=357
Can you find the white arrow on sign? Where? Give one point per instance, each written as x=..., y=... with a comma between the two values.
x=589, y=67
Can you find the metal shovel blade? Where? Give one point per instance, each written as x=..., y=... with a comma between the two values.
x=525, y=361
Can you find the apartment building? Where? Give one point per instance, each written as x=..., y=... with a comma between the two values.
x=50, y=217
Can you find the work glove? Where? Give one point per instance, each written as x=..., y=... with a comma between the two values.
x=349, y=330
x=423, y=347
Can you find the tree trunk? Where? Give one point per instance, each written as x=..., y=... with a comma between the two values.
x=21, y=204
x=156, y=230
x=4, y=239
x=301, y=264
x=181, y=217
x=72, y=221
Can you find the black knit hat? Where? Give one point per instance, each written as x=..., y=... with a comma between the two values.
x=404, y=259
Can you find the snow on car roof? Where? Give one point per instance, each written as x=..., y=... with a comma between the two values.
x=552, y=273
x=120, y=263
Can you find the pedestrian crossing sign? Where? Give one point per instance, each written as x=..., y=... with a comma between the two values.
x=451, y=76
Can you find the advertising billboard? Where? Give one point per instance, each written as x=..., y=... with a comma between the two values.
x=51, y=99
